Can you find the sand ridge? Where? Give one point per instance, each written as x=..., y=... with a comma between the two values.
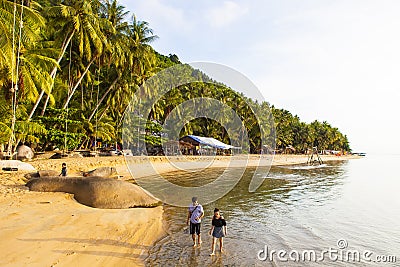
x=52, y=229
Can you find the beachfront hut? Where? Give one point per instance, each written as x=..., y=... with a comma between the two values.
x=174, y=147
x=208, y=145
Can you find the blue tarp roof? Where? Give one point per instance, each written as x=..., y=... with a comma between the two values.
x=209, y=141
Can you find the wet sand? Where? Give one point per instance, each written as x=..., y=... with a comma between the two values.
x=52, y=229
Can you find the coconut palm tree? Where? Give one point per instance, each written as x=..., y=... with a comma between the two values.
x=21, y=60
x=115, y=57
x=138, y=57
x=78, y=22
x=23, y=64
x=12, y=16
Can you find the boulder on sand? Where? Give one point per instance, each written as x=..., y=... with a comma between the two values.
x=16, y=164
x=24, y=152
x=104, y=172
x=42, y=173
x=97, y=192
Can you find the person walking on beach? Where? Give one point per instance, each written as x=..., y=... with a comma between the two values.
x=218, y=231
x=63, y=169
x=195, y=213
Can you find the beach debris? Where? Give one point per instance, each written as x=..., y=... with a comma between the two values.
x=24, y=152
x=97, y=192
x=16, y=164
x=104, y=172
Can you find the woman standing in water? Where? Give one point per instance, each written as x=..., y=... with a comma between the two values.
x=218, y=231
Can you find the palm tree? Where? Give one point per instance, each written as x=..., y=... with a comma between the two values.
x=23, y=64
x=22, y=25
x=12, y=17
x=138, y=57
x=115, y=57
x=78, y=22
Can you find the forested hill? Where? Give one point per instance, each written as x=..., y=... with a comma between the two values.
x=70, y=72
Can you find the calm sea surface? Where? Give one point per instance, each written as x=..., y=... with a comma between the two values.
x=347, y=209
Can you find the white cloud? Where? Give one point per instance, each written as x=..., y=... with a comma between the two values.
x=225, y=15
x=159, y=14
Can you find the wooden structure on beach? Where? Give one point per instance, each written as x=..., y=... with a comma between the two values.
x=208, y=145
x=173, y=147
x=314, y=158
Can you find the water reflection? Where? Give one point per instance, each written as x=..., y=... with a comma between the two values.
x=269, y=215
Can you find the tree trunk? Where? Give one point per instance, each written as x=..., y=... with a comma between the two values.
x=104, y=112
x=77, y=83
x=103, y=97
x=53, y=75
x=83, y=143
x=36, y=105
x=45, y=105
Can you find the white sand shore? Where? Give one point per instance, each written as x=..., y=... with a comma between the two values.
x=52, y=229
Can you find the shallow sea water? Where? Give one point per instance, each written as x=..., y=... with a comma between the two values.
x=338, y=211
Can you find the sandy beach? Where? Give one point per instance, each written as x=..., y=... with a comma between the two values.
x=52, y=229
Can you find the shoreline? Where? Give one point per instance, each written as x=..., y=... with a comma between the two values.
x=42, y=228
x=162, y=164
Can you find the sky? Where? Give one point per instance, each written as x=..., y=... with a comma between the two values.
x=330, y=60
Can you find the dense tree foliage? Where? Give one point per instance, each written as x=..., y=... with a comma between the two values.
x=290, y=131
x=69, y=69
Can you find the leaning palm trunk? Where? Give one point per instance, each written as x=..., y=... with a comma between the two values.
x=104, y=112
x=45, y=105
x=78, y=83
x=103, y=97
x=48, y=95
x=53, y=75
x=83, y=144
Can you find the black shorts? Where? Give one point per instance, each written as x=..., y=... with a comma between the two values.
x=194, y=228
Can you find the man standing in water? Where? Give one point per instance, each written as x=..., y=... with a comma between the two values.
x=195, y=213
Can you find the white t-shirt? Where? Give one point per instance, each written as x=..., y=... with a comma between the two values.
x=196, y=212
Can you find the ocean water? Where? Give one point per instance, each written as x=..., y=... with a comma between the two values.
x=338, y=214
